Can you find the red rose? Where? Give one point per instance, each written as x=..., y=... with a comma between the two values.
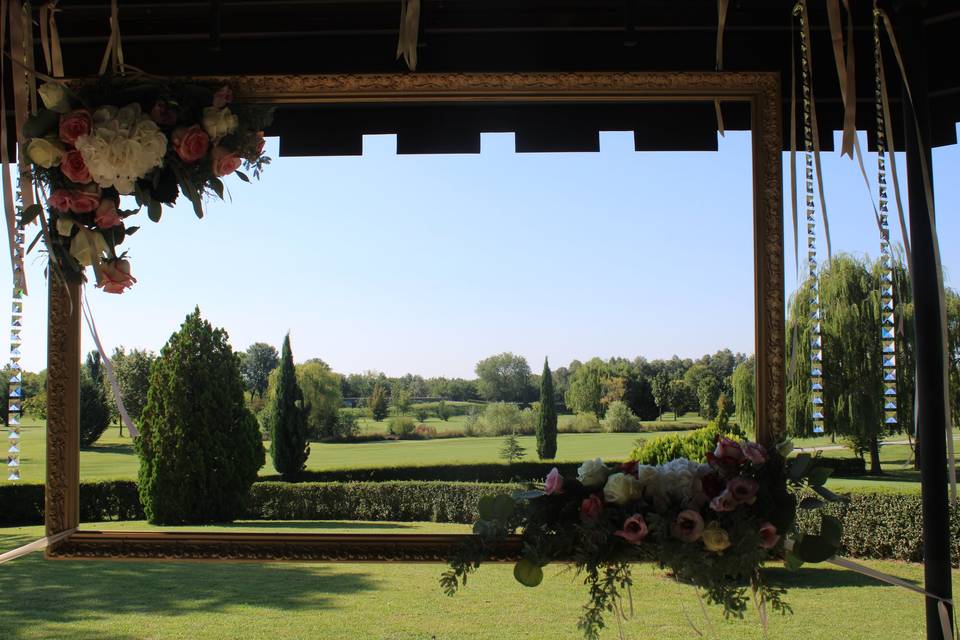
x=224, y=162
x=107, y=216
x=591, y=508
x=115, y=276
x=629, y=467
x=74, y=167
x=75, y=124
x=191, y=143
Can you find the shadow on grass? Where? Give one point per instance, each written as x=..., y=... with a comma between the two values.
x=823, y=578
x=64, y=592
x=314, y=524
x=109, y=448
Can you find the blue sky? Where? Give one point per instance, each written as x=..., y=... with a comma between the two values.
x=427, y=264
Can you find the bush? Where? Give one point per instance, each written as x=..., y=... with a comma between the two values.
x=401, y=426
x=620, y=419
x=583, y=423
x=199, y=446
x=421, y=414
x=425, y=431
x=347, y=425
x=472, y=425
x=94, y=410
x=500, y=419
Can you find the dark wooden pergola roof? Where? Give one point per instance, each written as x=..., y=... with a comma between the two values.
x=205, y=37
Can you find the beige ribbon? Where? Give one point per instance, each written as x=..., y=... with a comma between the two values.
x=409, y=32
x=845, y=71
x=16, y=259
x=113, y=55
x=722, y=6
x=24, y=99
x=50, y=39
x=816, y=130
x=108, y=367
x=36, y=545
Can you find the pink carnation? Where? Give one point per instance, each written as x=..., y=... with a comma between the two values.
x=768, y=536
x=688, y=526
x=554, y=482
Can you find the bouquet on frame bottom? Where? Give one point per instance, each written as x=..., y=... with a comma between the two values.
x=713, y=524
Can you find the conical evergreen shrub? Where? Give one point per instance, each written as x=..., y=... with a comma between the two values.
x=94, y=408
x=287, y=419
x=547, y=424
x=199, y=446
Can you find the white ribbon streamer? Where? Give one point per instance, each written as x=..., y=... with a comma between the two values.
x=409, y=32
x=114, y=385
x=36, y=545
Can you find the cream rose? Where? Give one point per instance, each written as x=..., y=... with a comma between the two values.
x=84, y=247
x=593, y=473
x=54, y=97
x=715, y=539
x=621, y=489
x=219, y=122
x=45, y=152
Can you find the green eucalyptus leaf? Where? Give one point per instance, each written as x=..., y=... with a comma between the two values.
x=217, y=185
x=485, y=508
x=503, y=507
x=811, y=503
x=132, y=230
x=831, y=530
x=527, y=573
x=818, y=476
x=798, y=467
x=242, y=176
x=35, y=240
x=154, y=210
x=41, y=123
x=814, y=549
x=30, y=214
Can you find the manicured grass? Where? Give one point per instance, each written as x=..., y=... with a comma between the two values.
x=80, y=600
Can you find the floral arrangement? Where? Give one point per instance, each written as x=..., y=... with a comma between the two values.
x=94, y=143
x=713, y=524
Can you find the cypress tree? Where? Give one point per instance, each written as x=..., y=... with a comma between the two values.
x=94, y=408
x=199, y=445
x=547, y=425
x=288, y=420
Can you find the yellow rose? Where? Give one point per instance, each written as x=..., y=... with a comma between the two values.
x=219, y=122
x=54, y=97
x=715, y=539
x=86, y=245
x=45, y=152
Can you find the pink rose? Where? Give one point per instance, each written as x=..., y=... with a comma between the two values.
x=76, y=200
x=224, y=162
x=554, y=482
x=115, y=276
x=190, y=143
x=163, y=115
x=223, y=97
x=723, y=502
x=75, y=124
x=75, y=168
x=591, y=508
x=107, y=216
x=634, y=529
x=768, y=536
x=60, y=200
x=728, y=452
x=743, y=490
x=688, y=526
x=754, y=452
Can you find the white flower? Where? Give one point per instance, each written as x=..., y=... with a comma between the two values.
x=219, y=122
x=621, y=489
x=64, y=226
x=44, y=152
x=123, y=146
x=592, y=473
x=54, y=97
x=680, y=480
x=85, y=246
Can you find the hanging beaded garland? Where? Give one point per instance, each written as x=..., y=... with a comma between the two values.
x=887, y=316
x=816, y=316
x=15, y=383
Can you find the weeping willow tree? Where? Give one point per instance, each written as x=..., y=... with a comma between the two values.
x=744, y=386
x=852, y=364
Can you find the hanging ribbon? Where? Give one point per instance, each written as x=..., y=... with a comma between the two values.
x=108, y=367
x=113, y=55
x=931, y=213
x=722, y=6
x=50, y=39
x=36, y=545
x=409, y=32
x=845, y=71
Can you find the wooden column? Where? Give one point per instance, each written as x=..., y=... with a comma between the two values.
x=62, y=498
x=930, y=350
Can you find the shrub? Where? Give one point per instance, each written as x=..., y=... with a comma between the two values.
x=421, y=414
x=377, y=403
x=472, y=426
x=620, y=419
x=511, y=449
x=425, y=431
x=199, y=446
x=401, y=426
x=443, y=411
x=500, y=419
x=693, y=446
x=529, y=418
x=584, y=422
x=347, y=424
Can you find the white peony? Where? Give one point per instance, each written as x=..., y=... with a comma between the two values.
x=680, y=480
x=621, y=489
x=592, y=473
x=123, y=146
x=219, y=122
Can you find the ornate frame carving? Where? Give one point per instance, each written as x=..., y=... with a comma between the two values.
x=760, y=90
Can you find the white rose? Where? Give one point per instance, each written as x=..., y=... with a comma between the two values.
x=680, y=479
x=592, y=473
x=64, y=226
x=649, y=479
x=44, y=152
x=54, y=97
x=621, y=489
x=85, y=246
x=219, y=122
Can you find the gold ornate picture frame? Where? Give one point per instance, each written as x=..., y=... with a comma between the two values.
x=761, y=91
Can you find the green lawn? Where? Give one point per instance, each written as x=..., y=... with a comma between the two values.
x=82, y=600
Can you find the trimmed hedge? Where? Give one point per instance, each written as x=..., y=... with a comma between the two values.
x=22, y=504
x=529, y=471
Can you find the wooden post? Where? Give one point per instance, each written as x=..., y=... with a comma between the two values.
x=62, y=498
x=930, y=349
